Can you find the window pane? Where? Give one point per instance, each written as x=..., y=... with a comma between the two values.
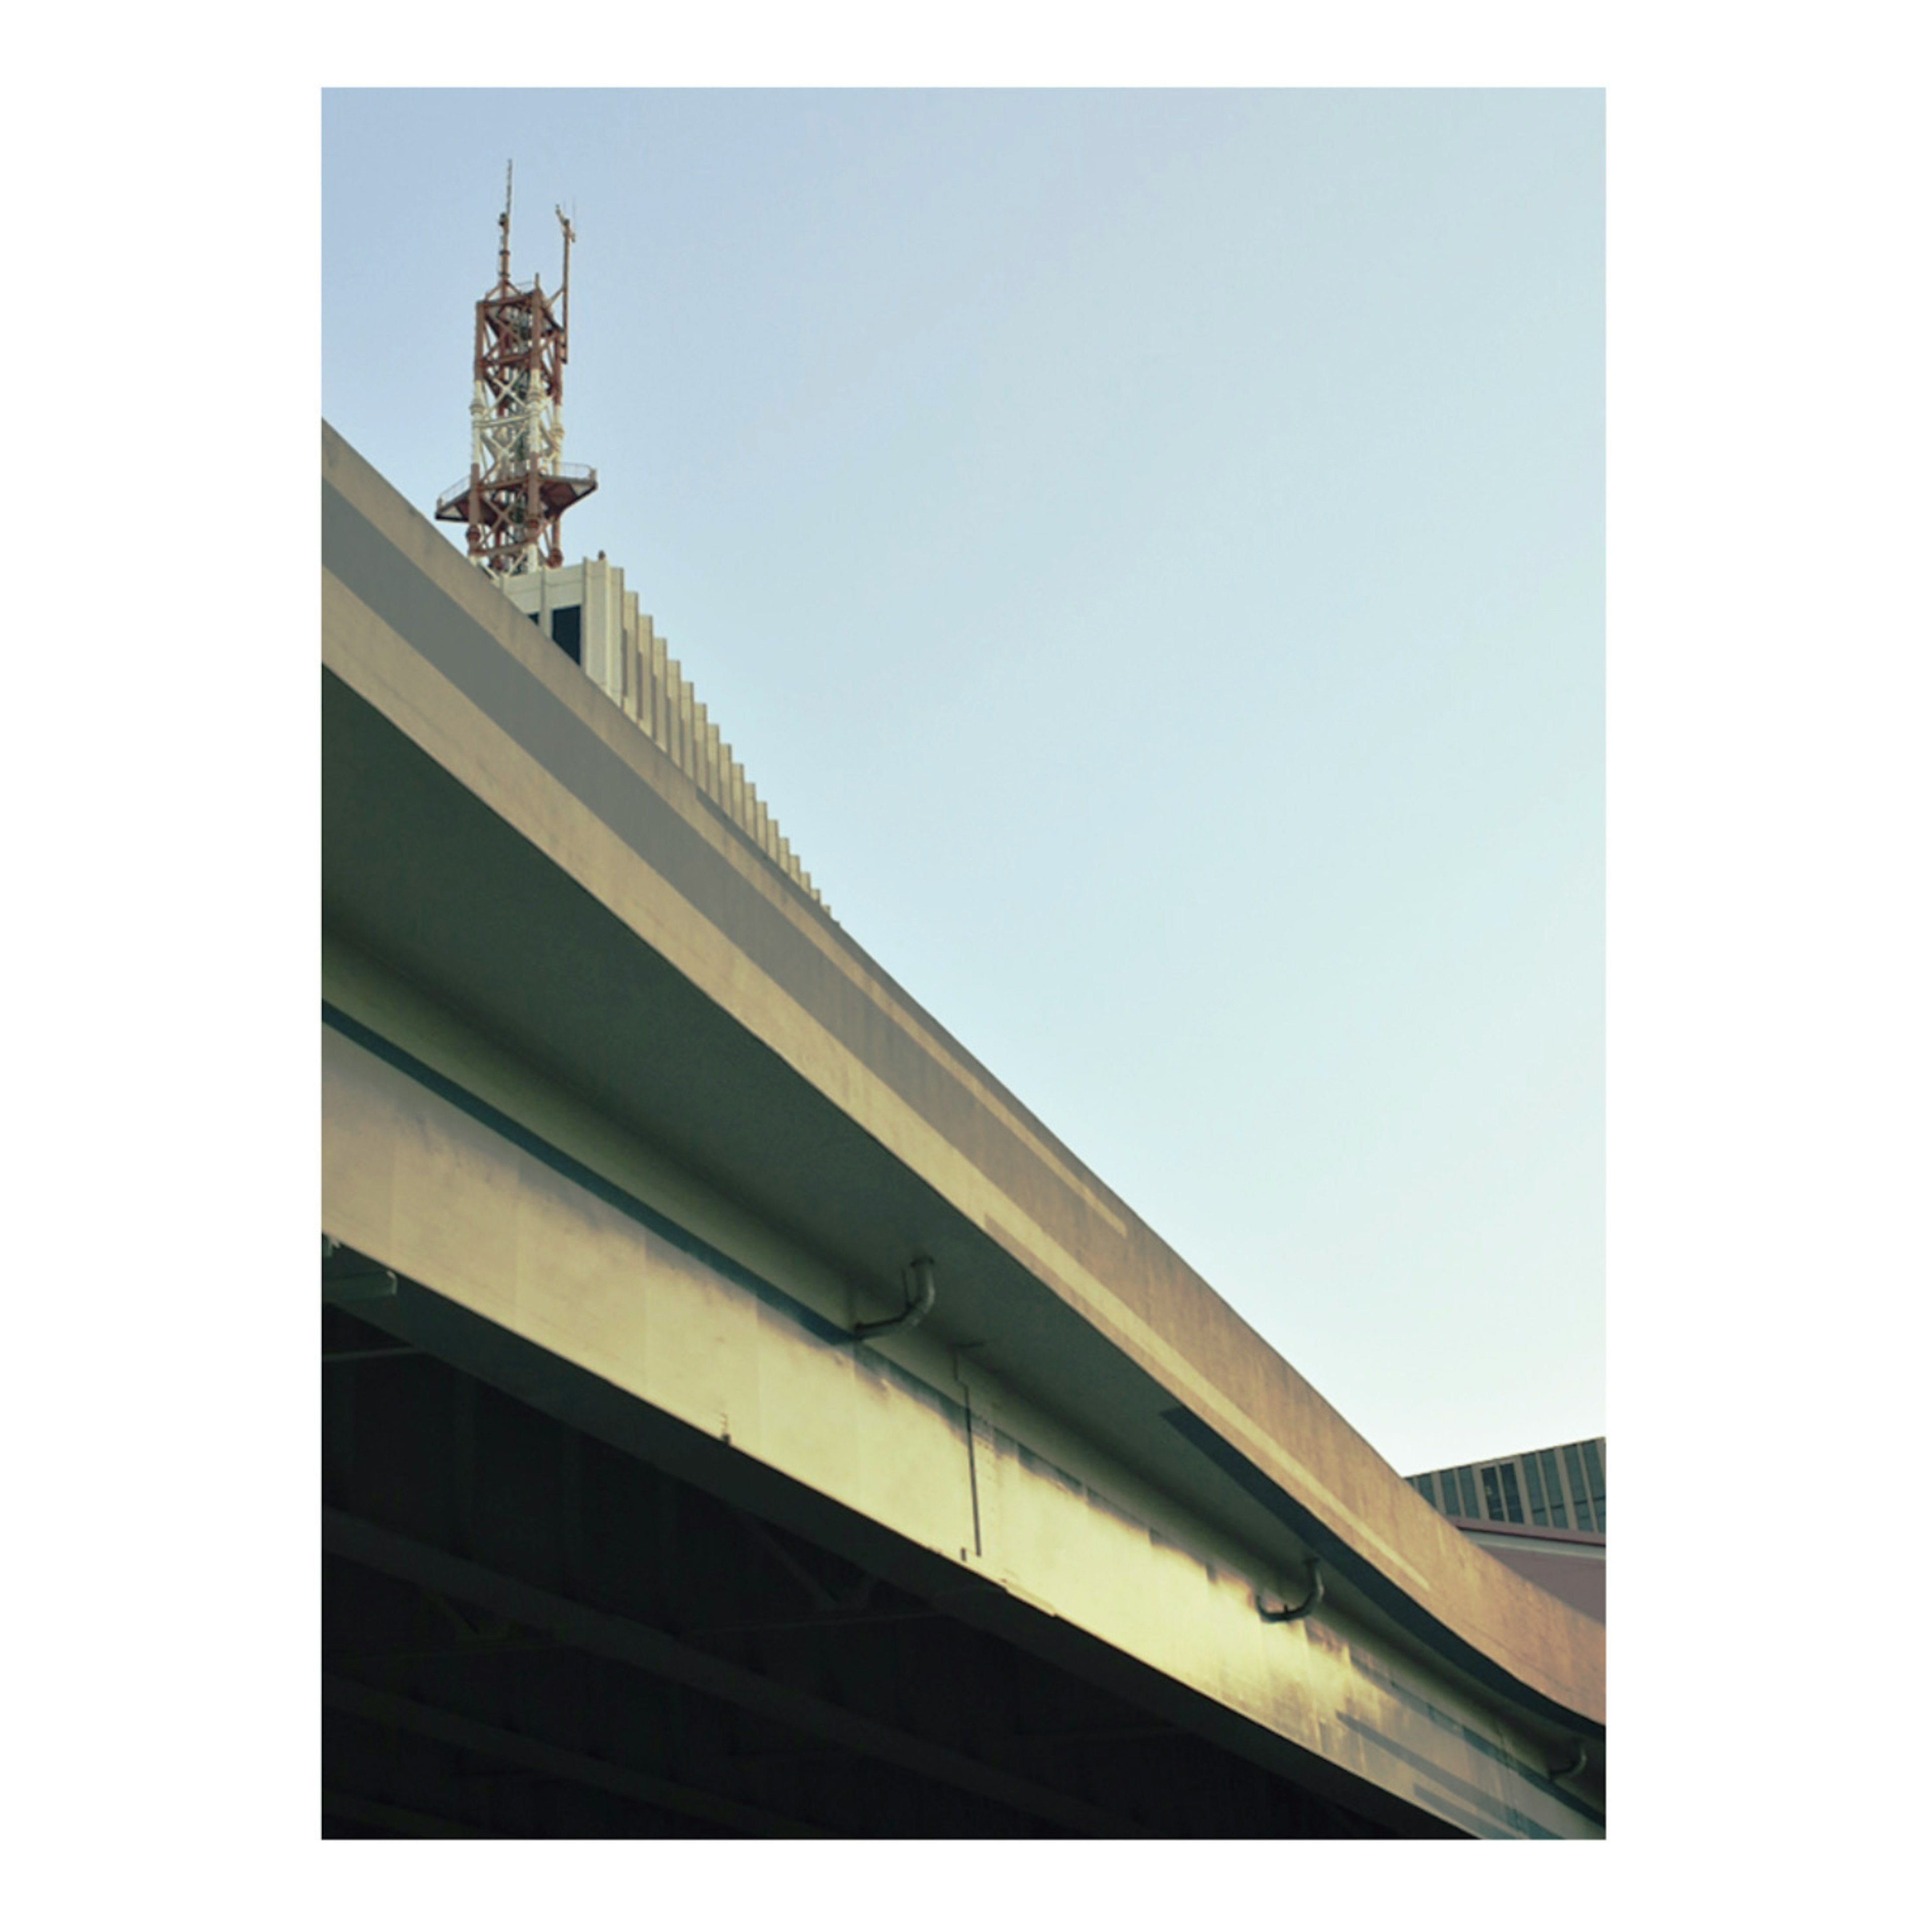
x=1512, y=1498
x=1586, y=1519
x=1593, y=1468
x=1539, y=1513
x=1557, y=1517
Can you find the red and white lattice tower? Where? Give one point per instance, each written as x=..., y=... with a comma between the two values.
x=519, y=484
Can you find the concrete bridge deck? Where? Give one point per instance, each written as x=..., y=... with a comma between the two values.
x=624, y=1532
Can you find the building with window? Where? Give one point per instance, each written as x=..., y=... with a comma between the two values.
x=1540, y=1513
x=1560, y=1486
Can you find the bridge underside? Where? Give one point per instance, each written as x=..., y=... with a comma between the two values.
x=530, y=1631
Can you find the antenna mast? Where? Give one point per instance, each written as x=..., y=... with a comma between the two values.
x=519, y=484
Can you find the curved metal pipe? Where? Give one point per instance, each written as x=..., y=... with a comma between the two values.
x=1574, y=1768
x=919, y=1275
x=1307, y=1606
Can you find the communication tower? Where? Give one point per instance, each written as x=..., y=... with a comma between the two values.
x=519, y=484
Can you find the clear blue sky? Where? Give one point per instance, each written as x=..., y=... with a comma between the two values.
x=1148, y=548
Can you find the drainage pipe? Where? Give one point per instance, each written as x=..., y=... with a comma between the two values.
x=919, y=1279
x=1307, y=1606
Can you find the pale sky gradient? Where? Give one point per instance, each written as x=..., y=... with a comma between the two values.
x=1148, y=549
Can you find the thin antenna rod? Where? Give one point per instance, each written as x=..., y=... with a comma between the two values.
x=503, y=222
x=569, y=236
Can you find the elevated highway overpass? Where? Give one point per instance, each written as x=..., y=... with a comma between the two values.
x=625, y=1531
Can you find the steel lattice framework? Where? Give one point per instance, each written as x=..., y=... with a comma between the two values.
x=519, y=484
